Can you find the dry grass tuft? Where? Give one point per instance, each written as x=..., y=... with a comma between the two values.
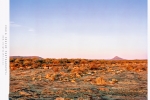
x=100, y=81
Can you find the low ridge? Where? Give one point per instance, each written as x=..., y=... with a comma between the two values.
x=26, y=57
x=117, y=58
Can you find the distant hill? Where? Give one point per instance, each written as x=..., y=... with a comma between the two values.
x=26, y=57
x=117, y=58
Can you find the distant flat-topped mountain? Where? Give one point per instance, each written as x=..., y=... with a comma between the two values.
x=26, y=57
x=117, y=58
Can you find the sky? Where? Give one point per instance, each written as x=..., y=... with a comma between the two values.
x=91, y=29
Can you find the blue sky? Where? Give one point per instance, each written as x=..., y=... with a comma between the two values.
x=92, y=29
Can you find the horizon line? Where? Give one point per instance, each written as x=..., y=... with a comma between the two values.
x=121, y=58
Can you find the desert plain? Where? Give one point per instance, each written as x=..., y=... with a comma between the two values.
x=35, y=78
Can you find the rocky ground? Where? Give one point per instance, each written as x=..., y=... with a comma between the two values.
x=79, y=83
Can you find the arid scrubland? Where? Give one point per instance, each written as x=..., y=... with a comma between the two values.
x=77, y=79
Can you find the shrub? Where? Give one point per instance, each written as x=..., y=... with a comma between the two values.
x=55, y=69
x=93, y=67
x=100, y=81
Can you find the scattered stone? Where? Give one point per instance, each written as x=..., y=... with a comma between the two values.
x=113, y=81
x=45, y=67
x=89, y=79
x=89, y=73
x=73, y=81
x=24, y=93
x=33, y=78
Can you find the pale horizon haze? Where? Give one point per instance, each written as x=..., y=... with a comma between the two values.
x=90, y=29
